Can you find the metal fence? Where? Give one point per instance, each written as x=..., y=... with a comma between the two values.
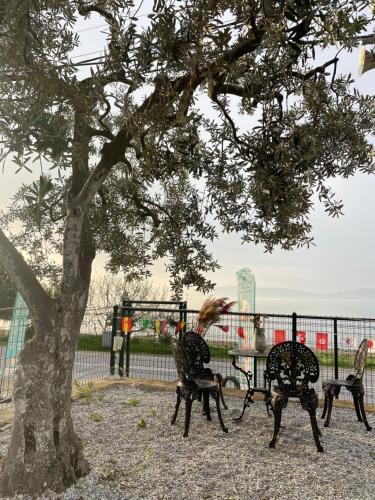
x=145, y=351
x=94, y=355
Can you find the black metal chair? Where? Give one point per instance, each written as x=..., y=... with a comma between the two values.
x=353, y=384
x=190, y=388
x=292, y=366
x=198, y=354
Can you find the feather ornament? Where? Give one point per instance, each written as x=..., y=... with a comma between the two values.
x=210, y=313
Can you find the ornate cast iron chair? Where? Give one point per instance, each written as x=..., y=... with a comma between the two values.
x=190, y=388
x=353, y=384
x=292, y=366
x=198, y=354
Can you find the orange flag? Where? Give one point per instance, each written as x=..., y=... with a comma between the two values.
x=126, y=324
x=180, y=325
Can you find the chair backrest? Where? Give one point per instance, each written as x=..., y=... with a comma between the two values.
x=293, y=365
x=360, y=361
x=196, y=350
x=181, y=360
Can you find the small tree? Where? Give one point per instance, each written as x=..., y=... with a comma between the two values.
x=140, y=170
x=108, y=289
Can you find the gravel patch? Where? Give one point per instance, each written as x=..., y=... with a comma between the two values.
x=135, y=453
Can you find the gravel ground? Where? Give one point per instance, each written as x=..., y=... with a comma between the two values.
x=135, y=453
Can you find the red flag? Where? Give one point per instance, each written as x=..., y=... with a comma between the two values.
x=371, y=345
x=126, y=324
x=163, y=324
x=225, y=328
x=301, y=337
x=322, y=341
x=279, y=336
x=241, y=332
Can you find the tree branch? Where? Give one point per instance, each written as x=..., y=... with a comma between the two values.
x=41, y=306
x=101, y=133
x=103, y=80
x=315, y=71
x=146, y=210
x=114, y=151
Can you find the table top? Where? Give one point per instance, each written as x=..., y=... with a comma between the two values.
x=248, y=353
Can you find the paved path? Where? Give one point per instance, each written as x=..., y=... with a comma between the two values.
x=88, y=365
x=94, y=365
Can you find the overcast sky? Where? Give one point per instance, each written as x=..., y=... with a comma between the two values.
x=343, y=256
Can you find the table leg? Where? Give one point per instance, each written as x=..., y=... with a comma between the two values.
x=255, y=372
x=248, y=399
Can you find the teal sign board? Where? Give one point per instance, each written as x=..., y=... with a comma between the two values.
x=246, y=290
x=17, y=329
x=246, y=304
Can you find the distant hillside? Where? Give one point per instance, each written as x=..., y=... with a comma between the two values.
x=288, y=293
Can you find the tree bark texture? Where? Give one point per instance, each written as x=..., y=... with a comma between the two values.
x=44, y=451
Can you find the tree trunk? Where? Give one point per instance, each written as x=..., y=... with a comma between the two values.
x=44, y=452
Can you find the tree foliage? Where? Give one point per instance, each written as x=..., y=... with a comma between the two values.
x=180, y=171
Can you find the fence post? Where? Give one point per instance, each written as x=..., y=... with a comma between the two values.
x=184, y=305
x=125, y=312
x=294, y=327
x=114, y=331
x=183, y=315
x=122, y=350
x=335, y=352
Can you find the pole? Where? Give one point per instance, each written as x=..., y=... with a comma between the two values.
x=122, y=351
x=114, y=331
x=126, y=313
x=294, y=327
x=183, y=314
x=335, y=352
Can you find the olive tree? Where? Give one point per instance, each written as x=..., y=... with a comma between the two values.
x=199, y=115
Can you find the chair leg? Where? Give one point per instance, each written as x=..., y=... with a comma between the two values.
x=356, y=405
x=362, y=408
x=215, y=395
x=325, y=405
x=219, y=379
x=177, y=405
x=206, y=404
x=310, y=405
x=188, y=405
x=329, y=395
x=316, y=431
x=277, y=407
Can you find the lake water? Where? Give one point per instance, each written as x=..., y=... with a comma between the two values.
x=358, y=308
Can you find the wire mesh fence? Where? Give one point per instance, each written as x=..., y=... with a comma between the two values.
x=145, y=331
x=334, y=341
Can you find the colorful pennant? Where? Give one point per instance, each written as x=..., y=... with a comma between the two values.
x=126, y=324
x=179, y=327
x=225, y=328
x=279, y=336
x=241, y=332
x=146, y=323
x=321, y=341
x=349, y=341
x=371, y=345
x=160, y=327
x=301, y=337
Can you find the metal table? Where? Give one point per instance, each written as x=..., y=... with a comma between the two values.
x=250, y=376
